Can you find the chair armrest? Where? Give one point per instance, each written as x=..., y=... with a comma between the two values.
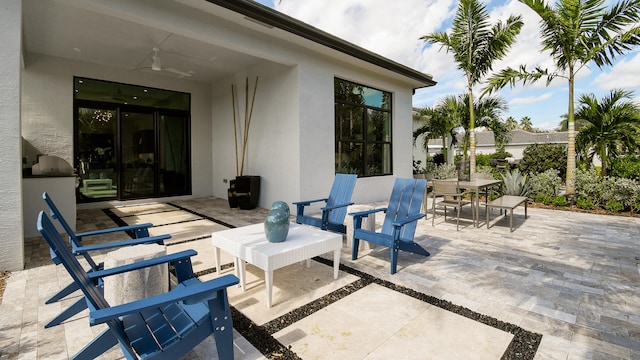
x=148, y=240
x=308, y=202
x=112, y=230
x=171, y=258
x=366, y=212
x=408, y=220
x=200, y=290
x=328, y=208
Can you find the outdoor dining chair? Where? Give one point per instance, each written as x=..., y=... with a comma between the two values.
x=451, y=196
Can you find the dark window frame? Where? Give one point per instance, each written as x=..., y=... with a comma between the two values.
x=364, y=142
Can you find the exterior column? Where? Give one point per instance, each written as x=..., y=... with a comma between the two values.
x=11, y=230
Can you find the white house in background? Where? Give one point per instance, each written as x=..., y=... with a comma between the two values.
x=485, y=144
x=69, y=68
x=518, y=141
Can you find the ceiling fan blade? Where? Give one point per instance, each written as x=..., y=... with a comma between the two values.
x=179, y=72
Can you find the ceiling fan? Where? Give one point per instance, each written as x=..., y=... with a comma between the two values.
x=156, y=65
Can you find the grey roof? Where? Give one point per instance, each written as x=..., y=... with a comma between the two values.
x=521, y=137
x=516, y=137
x=279, y=20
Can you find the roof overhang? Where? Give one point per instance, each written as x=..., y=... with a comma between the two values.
x=270, y=17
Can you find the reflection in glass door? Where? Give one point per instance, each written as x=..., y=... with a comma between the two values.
x=96, y=157
x=138, y=154
x=173, y=154
x=125, y=154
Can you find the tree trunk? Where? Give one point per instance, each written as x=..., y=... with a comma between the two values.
x=472, y=135
x=571, y=146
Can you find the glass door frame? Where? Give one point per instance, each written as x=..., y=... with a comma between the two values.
x=119, y=168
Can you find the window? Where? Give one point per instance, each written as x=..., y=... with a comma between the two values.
x=363, y=129
x=130, y=141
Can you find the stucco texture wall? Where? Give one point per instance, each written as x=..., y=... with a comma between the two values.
x=47, y=111
x=11, y=248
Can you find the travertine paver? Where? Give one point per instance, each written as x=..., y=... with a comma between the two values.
x=572, y=277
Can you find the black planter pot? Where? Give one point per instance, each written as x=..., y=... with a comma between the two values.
x=244, y=192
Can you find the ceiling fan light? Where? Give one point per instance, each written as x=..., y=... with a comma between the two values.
x=155, y=60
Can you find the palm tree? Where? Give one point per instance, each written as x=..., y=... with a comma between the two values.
x=526, y=124
x=563, y=125
x=511, y=123
x=576, y=33
x=438, y=122
x=612, y=126
x=488, y=112
x=476, y=45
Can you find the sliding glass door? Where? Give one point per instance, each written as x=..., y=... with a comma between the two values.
x=131, y=141
x=96, y=159
x=127, y=153
x=173, y=151
x=139, y=154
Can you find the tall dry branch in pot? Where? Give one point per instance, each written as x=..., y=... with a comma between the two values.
x=244, y=128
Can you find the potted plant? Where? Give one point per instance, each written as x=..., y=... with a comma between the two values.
x=244, y=191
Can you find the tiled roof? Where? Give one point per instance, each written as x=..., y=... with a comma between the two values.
x=517, y=137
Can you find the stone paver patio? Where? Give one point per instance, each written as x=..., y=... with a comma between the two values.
x=571, y=277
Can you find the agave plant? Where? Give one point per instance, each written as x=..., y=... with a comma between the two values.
x=515, y=183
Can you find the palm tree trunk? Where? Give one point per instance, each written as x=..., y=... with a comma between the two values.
x=445, y=149
x=472, y=135
x=571, y=146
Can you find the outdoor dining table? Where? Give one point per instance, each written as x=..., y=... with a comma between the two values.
x=477, y=185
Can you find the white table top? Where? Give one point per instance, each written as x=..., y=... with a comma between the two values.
x=249, y=243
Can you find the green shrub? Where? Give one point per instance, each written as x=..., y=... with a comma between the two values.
x=500, y=155
x=627, y=166
x=483, y=160
x=615, y=206
x=539, y=158
x=438, y=159
x=588, y=185
x=585, y=203
x=560, y=200
x=446, y=171
x=548, y=183
x=543, y=198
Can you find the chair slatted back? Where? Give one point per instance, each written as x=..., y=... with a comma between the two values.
x=94, y=297
x=341, y=192
x=406, y=200
x=446, y=188
x=57, y=215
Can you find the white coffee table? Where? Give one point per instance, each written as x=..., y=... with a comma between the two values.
x=248, y=243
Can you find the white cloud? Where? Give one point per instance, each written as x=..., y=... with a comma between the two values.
x=623, y=75
x=530, y=99
x=393, y=29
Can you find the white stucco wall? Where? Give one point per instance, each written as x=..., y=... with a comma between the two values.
x=291, y=140
x=292, y=136
x=11, y=247
x=272, y=148
x=47, y=109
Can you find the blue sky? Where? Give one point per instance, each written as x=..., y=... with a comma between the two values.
x=393, y=29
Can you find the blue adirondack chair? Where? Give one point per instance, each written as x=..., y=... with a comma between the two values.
x=399, y=227
x=164, y=326
x=140, y=231
x=335, y=210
